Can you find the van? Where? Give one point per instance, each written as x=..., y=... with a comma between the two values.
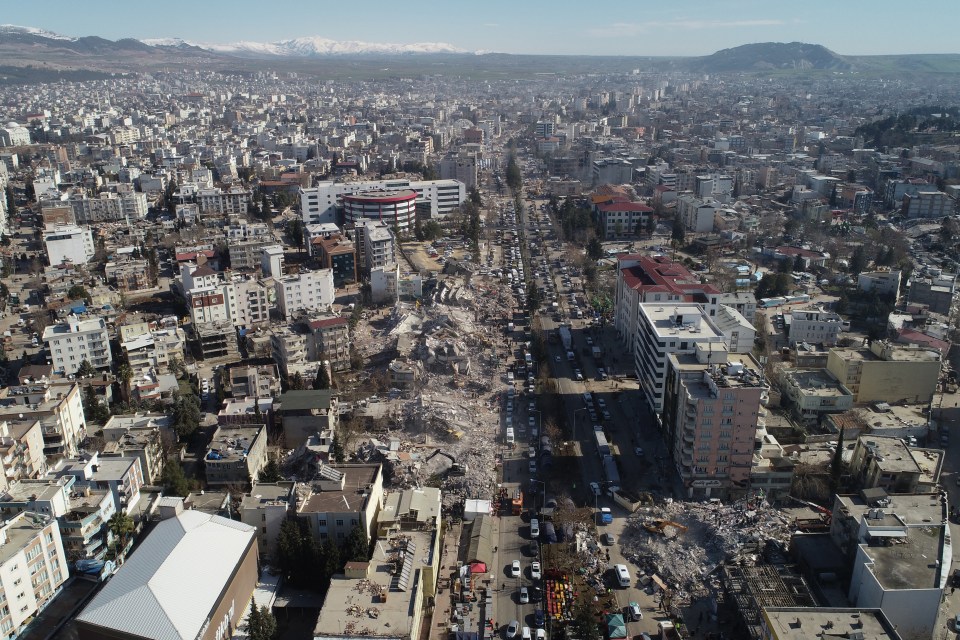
x=623, y=575
x=534, y=528
x=510, y=438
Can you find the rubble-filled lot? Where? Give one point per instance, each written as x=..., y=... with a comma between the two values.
x=709, y=534
x=446, y=430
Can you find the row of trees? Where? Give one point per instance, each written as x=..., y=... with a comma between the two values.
x=307, y=563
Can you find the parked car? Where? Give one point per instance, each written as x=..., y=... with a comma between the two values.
x=512, y=629
x=524, y=595
x=633, y=610
x=515, y=569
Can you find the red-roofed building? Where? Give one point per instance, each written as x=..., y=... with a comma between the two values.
x=643, y=278
x=337, y=253
x=907, y=335
x=329, y=339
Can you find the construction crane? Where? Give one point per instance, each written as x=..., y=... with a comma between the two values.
x=658, y=526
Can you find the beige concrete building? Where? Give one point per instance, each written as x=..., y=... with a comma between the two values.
x=236, y=454
x=340, y=498
x=886, y=372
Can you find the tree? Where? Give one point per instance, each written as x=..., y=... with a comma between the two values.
x=175, y=482
x=836, y=465
x=185, y=415
x=678, y=233
x=261, y=625
x=432, y=230
x=93, y=410
x=595, y=248
x=121, y=526
x=585, y=625
x=168, y=198
x=355, y=547
x=86, y=370
x=78, y=292
x=11, y=201
x=270, y=472
x=30, y=192
x=322, y=381
x=295, y=233
x=534, y=297
x=858, y=261
x=296, y=382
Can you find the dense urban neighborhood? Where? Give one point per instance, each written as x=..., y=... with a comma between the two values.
x=607, y=354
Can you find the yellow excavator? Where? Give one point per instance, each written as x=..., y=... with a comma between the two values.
x=658, y=526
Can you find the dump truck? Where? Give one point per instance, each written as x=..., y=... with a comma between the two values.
x=516, y=503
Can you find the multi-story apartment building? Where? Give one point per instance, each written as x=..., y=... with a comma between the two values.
x=885, y=283
x=611, y=171
x=305, y=291
x=340, y=498
x=58, y=407
x=218, y=202
x=34, y=567
x=697, y=214
x=248, y=301
x=338, y=254
x=461, y=167
x=255, y=381
x=712, y=409
x=127, y=206
x=122, y=476
x=618, y=218
x=887, y=372
x=329, y=339
x=288, y=349
x=75, y=340
x=68, y=243
x=149, y=347
x=384, y=283
x=21, y=450
x=266, y=508
x=655, y=279
x=320, y=203
x=379, y=245
x=936, y=291
x=248, y=253
x=129, y=275
x=927, y=204
x=815, y=326
x=236, y=454
x=665, y=329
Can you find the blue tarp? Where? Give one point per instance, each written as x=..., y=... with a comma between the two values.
x=79, y=309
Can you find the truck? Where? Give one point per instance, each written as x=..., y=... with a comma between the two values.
x=516, y=503
x=603, y=448
x=610, y=470
x=597, y=354
x=626, y=500
x=667, y=630
x=604, y=515
x=565, y=337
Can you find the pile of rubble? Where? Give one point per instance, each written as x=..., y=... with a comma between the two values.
x=684, y=543
x=447, y=430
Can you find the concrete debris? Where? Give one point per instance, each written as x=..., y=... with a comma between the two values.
x=684, y=543
x=446, y=430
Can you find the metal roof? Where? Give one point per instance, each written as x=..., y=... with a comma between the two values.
x=306, y=399
x=171, y=583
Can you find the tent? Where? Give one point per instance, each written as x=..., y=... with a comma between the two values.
x=478, y=567
x=616, y=627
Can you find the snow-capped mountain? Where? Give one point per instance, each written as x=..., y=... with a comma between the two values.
x=311, y=46
x=33, y=31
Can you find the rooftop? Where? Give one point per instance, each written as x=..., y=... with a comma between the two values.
x=803, y=623
x=396, y=569
x=660, y=273
x=149, y=597
x=19, y=531
x=350, y=499
x=682, y=320
x=817, y=382
x=230, y=442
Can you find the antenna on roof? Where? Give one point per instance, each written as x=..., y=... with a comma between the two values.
x=345, y=501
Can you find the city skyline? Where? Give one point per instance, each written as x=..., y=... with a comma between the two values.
x=685, y=28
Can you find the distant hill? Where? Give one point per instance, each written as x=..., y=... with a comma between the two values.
x=768, y=56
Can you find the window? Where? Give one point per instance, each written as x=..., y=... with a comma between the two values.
x=322, y=523
x=339, y=523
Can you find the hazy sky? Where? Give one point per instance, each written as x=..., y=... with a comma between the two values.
x=611, y=27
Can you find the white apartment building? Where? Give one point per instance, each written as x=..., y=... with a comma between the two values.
x=815, y=326
x=218, y=202
x=320, y=203
x=153, y=349
x=128, y=206
x=697, y=215
x=305, y=291
x=14, y=135
x=379, y=246
x=33, y=567
x=664, y=329
x=75, y=340
x=68, y=243
x=927, y=204
x=883, y=282
x=248, y=301
x=288, y=349
x=59, y=408
x=384, y=281
x=461, y=167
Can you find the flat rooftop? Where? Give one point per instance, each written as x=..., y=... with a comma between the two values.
x=350, y=601
x=897, y=354
x=353, y=496
x=909, y=563
x=803, y=623
x=20, y=533
x=891, y=454
x=233, y=441
x=688, y=363
x=817, y=382
x=918, y=509
x=663, y=318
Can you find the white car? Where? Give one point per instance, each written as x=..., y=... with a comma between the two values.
x=515, y=569
x=512, y=629
x=595, y=488
x=535, y=570
x=524, y=595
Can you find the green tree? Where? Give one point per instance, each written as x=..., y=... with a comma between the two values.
x=295, y=233
x=432, y=230
x=261, y=625
x=86, y=370
x=296, y=382
x=175, y=481
x=474, y=196
x=121, y=526
x=78, y=292
x=534, y=297
x=678, y=233
x=322, y=381
x=94, y=411
x=858, y=261
x=30, y=192
x=270, y=472
x=585, y=625
x=356, y=548
x=169, y=200
x=595, y=248
x=11, y=201
x=836, y=465
x=185, y=415
x=336, y=450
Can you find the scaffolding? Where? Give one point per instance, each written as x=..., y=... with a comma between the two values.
x=757, y=587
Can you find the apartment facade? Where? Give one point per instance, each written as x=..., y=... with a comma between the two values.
x=305, y=291
x=712, y=412
x=815, y=326
x=218, y=202
x=58, y=407
x=320, y=203
x=75, y=340
x=329, y=339
x=68, y=243
x=129, y=206
x=887, y=372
